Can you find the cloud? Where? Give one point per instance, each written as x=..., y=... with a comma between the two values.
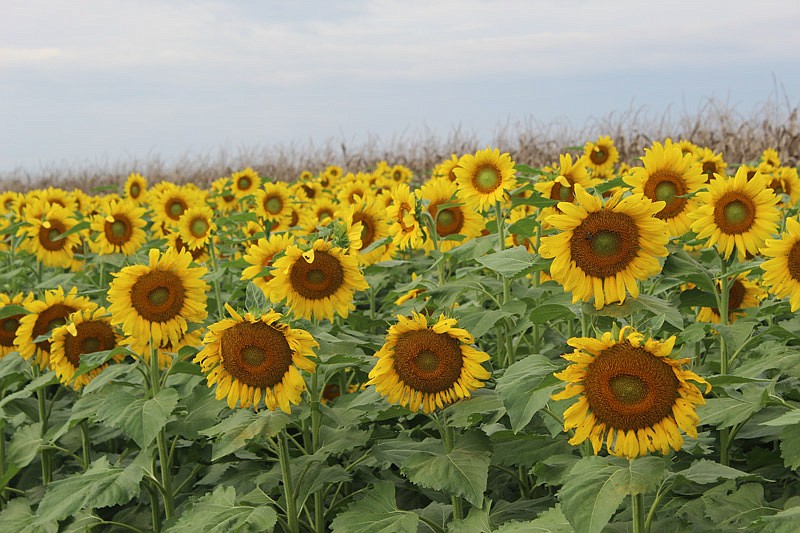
x=26, y=56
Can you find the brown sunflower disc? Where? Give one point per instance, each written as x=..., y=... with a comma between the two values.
x=319, y=279
x=487, y=179
x=666, y=186
x=449, y=221
x=605, y=243
x=92, y=336
x=273, y=204
x=244, y=183
x=8, y=329
x=794, y=261
x=630, y=388
x=118, y=232
x=310, y=191
x=709, y=168
x=175, y=207
x=256, y=354
x=598, y=156
x=158, y=296
x=367, y=228
x=561, y=193
x=52, y=317
x=734, y=213
x=428, y=361
x=47, y=236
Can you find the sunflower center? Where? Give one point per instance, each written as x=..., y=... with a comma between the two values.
x=666, y=192
x=487, y=179
x=667, y=186
x=428, y=361
x=734, y=213
x=92, y=336
x=448, y=221
x=175, y=208
x=158, y=296
x=48, y=236
x=630, y=388
x=10, y=323
x=199, y=227
x=709, y=168
x=563, y=194
x=118, y=232
x=118, y=228
x=256, y=354
x=367, y=229
x=243, y=183
x=794, y=261
x=599, y=156
x=310, y=191
x=135, y=190
x=52, y=317
x=273, y=205
x=605, y=243
x=8, y=330
x=318, y=279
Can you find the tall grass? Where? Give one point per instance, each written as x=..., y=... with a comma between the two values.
x=740, y=136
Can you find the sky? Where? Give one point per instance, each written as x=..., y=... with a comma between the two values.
x=91, y=81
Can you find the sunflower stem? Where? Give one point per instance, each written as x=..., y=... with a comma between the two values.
x=154, y=514
x=42, y=405
x=316, y=419
x=501, y=237
x=288, y=484
x=2, y=455
x=638, y=513
x=724, y=318
x=86, y=449
x=163, y=455
x=217, y=293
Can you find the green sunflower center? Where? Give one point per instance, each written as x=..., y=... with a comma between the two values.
x=628, y=389
x=9, y=325
x=253, y=355
x=176, y=208
x=243, y=183
x=605, y=243
x=158, y=296
x=426, y=361
x=487, y=179
x=565, y=194
x=135, y=190
x=118, y=228
x=90, y=344
x=666, y=192
x=199, y=227
x=446, y=217
x=274, y=205
x=315, y=276
x=736, y=212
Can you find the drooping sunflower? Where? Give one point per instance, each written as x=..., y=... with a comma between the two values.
x=668, y=176
x=245, y=182
x=484, y=178
x=45, y=227
x=402, y=215
x=736, y=213
x=422, y=366
x=711, y=163
x=260, y=256
x=86, y=332
x=742, y=294
x=7, y=199
x=601, y=156
x=272, y=202
x=158, y=300
x=318, y=283
x=44, y=316
x=119, y=228
x=136, y=187
x=602, y=250
x=249, y=358
x=196, y=227
x=373, y=228
x=454, y=220
x=688, y=147
x=782, y=270
x=10, y=324
x=632, y=395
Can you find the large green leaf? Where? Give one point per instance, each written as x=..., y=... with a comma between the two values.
x=102, y=485
x=139, y=418
x=18, y=516
x=704, y=472
x=509, y=262
x=376, y=513
x=219, y=511
x=735, y=409
x=525, y=388
x=730, y=507
x=242, y=426
x=550, y=521
x=461, y=472
x=476, y=521
x=790, y=446
x=596, y=486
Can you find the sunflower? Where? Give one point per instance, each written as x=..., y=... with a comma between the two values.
x=119, y=228
x=86, y=332
x=602, y=250
x=735, y=212
x=136, y=187
x=157, y=300
x=249, y=358
x=742, y=294
x=562, y=188
x=260, y=256
x=373, y=228
x=171, y=202
x=669, y=176
x=426, y=367
x=330, y=177
x=633, y=395
x=688, y=147
x=402, y=214
x=322, y=211
x=7, y=199
x=175, y=242
x=354, y=187
x=711, y=163
x=770, y=158
x=10, y=324
x=484, y=178
x=272, y=202
x=445, y=168
x=310, y=188
x=305, y=175
x=44, y=229
x=318, y=283
x=196, y=227
x=601, y=156
x=58, y=197
x=782, y=270
x=245, y=182
x=44, y=316
x=785, y=181
x=222, y=197
x=453, y=220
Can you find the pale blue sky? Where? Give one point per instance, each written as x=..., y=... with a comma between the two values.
x=83, y=82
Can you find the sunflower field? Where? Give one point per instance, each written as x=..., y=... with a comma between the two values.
x=588, y=346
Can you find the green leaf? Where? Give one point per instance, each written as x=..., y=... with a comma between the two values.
x=525, y=227
x=461, y=472
x=729, y=507
x=790, y=446
x=550, y=521
x=90, y=361
x=509, y=262
x=18, y=516
x=12, y=310
x=138, y=418
x=476, y=521
x=596, y=486
x=102, y=485
x=25, y=445
x=783, y=522
x=705, y=472
x=735, y=409
x=242, y=426
x=478, y=320
x=376, y=513
x=525, y=388
x=399, y=449
x=469, y=412
x=218, y=511
x=547, y=312
x=659, y=307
